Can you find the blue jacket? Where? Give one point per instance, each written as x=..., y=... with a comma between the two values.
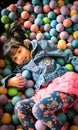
x=43, y=65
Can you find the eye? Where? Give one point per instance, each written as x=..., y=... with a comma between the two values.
x=19, y=50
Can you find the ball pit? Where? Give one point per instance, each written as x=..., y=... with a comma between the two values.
x=56, y=21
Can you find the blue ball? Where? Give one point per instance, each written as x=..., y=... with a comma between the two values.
x=6, y=71
x=15, y=120
x=41, y=15
x=38, y=21
x=75, y=43
x=62, y=117
x=55, y=40
x=4, y=12
x=29, y=92
x=53, y=23
x=47, y=35
x=51, y=15
x=53, y=32
x=60, y=61
x=26, y=74
x=12, y=16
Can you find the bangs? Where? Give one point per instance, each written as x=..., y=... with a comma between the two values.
x=13, y=51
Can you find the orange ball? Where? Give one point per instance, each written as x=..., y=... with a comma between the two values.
x=67, y=22
x=61, y=44
x=21, y=20
x=6, y=118
x=76, y=51
x=57, y=10
x=3, y=91
x=46, y=8
x=25, y=15
x=34, y=28
x=27, y=24
x=75, y=35
x=60, y=3
x=2, y=63
x=75, y=3
x=73, y=12
x=12, y=8
x=74, y=127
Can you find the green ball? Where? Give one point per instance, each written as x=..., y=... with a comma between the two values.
x=9, y=107
x=7, y=26
x=46, y=20
x=69, y=67
x=29, y=92
x=15, y=120
x=12, y=91
x=5, y=19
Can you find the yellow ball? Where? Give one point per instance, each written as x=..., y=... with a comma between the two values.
x=2, y=63
x=61, y=44
x=3, y=90
x=19, y=129
x=72, y=12
x=74, y=127
x=6, y=118
x=75, y=35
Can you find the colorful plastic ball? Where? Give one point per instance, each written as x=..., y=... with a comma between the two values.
x=39, y=125
x=3, y=91
x=3, y=99
x=12, y=91
x=51, y=15
x=29, y=8
x=20, y=2
x=69, y=29
x=73, y=12
x=31, y=18
x=3, y=38
x=75, y=43
x=60, y=18
x=46, y=8
x=2, y=63
x=25, y=15
x=53, y=4
x=5, y=19
x=7, y=26
x=34, y=28
x=62, y=117
x=19, y=9
x=75, y=27
x=68, y=51
x=12, y=8
x=57, y=10
x=47, y=35
x=54, y=39
x=75, y=120
x=6, y=71
x=6, y=118
x=59, y=27
x=37, y=9
x=4, y=12
x=75, y=35
x=53, y=23
x=1, y=113
x=75, y=51
x=15, y=120
x=30, y=83
x=60, y=61
x=26, y=74
x=27, y=24
x=67, y=22
x=74, y=18
x=29, y=92
x=11, y=127
x=47, y=27
x=70, y=39
x=40, y=36
x=64, y=35
x=53, y=32
x=64, y=10
x=74, y=127
x=4, y=127
x=12, y=16
x=44, y=2
x=70, y=114
x=15, y=99
x=75, y=3
x=46, y=20
x=9, y=107
x=75, y=106
x=38, y=21
x=69, y=67
x=61, y=44
x=32, y=35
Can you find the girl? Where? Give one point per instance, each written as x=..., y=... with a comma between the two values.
x=55, y=88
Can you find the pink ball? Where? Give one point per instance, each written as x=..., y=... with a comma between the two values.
x=39, y=125
x=70, y=38
x=47, y=27
x=12, y=8
x=60, y=18
x=25, y=15
x=37, y=9
x=59, y=27
x=64, y=35
x=32, y=35
x=74, y=18
x=53, y=4
x=30, y=83
x=40, y=36
x=75, y=120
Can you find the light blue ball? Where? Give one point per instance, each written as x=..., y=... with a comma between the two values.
x=53, y=32
x=68, y=51
x=41, y=15
x=26, y=74
x=53, y=23
x=47, y=35
x=6, y=71
x=15, y=100
x=62, y=117
x=75, y=27
x=29, y=92
x=12, y=16
x=38, y=21
x=55, y=40
x=69, y=29
x=4, y=12
x=75, y=43
x=35, y=2
x=51, y=15
x=44, y=2
x=19, y=9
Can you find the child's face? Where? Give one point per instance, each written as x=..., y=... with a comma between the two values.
x=22, y=55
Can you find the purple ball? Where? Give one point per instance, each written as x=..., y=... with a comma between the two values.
x=70, y=38
x=64, y=35
x=74, y=18
x=4, y=127
x=40, y=36
x=59, y=27
x=39, y=125
x=12, y=127
x=53, y=4
x=1, y=112
x=30, y=83
x=60, y=18
x=75, y=120
x=31, y=18
x=37, y=9
x=73, y=7
x=47, y=27
x=64, y=10
x=30, y=8
x=32, y=35
x=3, y=99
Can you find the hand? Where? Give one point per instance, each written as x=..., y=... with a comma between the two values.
x=17, y=81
